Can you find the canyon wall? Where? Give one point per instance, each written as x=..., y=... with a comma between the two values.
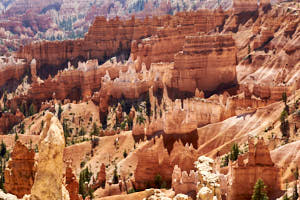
x=207, y=62
x=108, y=38
x=11, y=70
x=169, y=39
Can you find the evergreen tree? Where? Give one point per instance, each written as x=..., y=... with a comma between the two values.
x=234, y=152
x=32, y=110
x=16, y=137
x=284, y=126
x=60, y=110
x=115, y=176
x=96, y=130
x=22, y=109
x=82, y=132
x=296, y=173
x=295, y=192
x=3, y=149
x=259, y=192
x=284, y=97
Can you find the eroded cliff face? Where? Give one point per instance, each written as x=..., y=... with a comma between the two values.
x=20, y=172
x=258, y=165
x=199, y=92
x=206, y=63
x=154, y=159
x=108, y=38
x=170, y=38
x=49, y=176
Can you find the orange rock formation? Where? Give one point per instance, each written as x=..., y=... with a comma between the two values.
x=247, y=171
x=20, y=172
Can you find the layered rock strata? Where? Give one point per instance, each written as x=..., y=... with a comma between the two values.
x=108, y=38
x=11, y=69
x=207, y=62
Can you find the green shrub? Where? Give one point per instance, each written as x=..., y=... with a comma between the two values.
x=158, y=181
x=234, y=152
x=259, y=192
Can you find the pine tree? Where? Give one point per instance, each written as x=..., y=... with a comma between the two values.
x=295, y=192
x=284, y=97
x=32, y=110
x=234, y=152
x=259, y=192
x=16, y=137
x=60, y=110
x=3, y=149
x=96, y=130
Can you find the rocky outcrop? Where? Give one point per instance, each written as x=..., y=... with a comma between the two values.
x=256, y=164
x=207, y=62
x=183, y=182
x=72, y=84
x=11, y=69
x=8, y=120
x=72, y=184
x=49, y=176
x=203, y=183
x=154, y=159
x=20, y=172
x=108, y=38
x=100, y=178
x=265, y=36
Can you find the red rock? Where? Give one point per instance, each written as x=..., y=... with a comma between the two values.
x=101, y=178
x=202, y=58
x=20, y=172
x=153, y=159
x=72, y=184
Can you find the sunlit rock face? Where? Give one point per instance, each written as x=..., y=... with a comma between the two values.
x=49, y=176
x=206, y=63
x=257, y=163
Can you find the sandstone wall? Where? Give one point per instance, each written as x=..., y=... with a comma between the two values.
x=246, y=173
x=170, y=38
x=107, y=38
x=207, y=62
x=11, y=69
x=240, y=6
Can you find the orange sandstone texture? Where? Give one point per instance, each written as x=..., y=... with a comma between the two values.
x=247, y=171
x=207, y=62
x=72, y=185
x=20, y=172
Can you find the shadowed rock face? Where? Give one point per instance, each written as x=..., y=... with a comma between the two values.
x=19, y=175
x=154, y=159
x=49, y=176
